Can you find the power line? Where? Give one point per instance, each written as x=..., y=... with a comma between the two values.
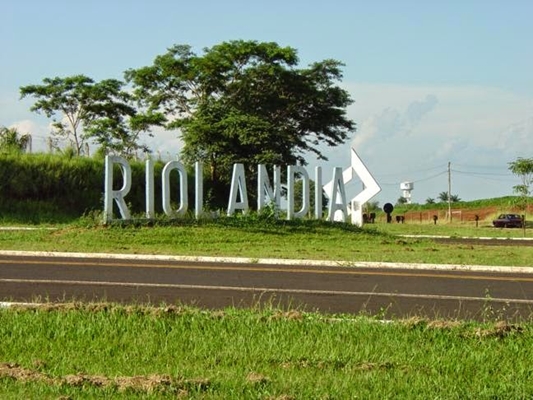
x=475, y=175
x=419, y=170
x=480, y=173
x=416, y=180
x=487, y=176
x=476, y=166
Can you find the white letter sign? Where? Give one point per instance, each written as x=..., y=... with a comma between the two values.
x=238, y=187
x=184, y=202
x=117, y=195
x=238, y=199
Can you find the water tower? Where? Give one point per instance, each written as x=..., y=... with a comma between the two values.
x=406, y=188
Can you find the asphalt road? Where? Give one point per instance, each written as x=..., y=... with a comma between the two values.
x=386, y=292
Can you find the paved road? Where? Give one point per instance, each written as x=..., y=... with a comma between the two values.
x=332, y=289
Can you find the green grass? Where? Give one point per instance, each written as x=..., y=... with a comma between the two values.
x=77, y=351
x=459, y=229
x=249, y=238
x=262, y=353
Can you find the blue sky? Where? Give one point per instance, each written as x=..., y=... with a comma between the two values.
x=433, y=82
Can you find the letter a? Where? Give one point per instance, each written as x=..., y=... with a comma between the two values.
x=238, y=186
x=334, y=205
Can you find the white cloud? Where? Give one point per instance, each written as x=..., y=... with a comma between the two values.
x=391, y=122
x=409, y=132
x=164, y=144
x=417, y=109
x=379, y=127
x=38, y=133
x=26, y=126
x=512, y=139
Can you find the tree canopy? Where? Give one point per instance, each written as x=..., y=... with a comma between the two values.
x=523, y=168
x=244, y=102
x=84, y=110
x=443, y=197
x=238, y=102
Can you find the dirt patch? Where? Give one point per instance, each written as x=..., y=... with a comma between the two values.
x=145, y=384
x=459, y=215
x=103, y=307
x=485, y=214
x=500, y=330
x=14, y=371
x=444, y=324
x=369, y=366
x=289, y=315
x=257, y=379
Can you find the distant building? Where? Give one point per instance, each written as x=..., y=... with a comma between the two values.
x=406, y=188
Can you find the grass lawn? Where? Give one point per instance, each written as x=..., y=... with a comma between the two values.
x=86, y=351
x=107, y=351
x=314, y=240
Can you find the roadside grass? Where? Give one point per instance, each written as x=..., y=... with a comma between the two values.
x=254, y=239
x=455, y=229
x=104, y=350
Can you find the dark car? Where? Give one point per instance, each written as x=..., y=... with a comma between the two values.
x=508, y=221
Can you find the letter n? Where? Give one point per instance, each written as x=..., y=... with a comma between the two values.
x=264, y=189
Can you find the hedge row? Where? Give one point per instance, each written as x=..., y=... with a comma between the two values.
x=70, y=185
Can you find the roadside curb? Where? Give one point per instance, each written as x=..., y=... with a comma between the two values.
x=274, y=261
x=468, y=237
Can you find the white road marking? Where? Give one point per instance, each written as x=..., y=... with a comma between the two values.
x=244, y=260
x=266, y=290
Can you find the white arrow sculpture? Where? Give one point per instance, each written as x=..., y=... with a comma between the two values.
x=335, y=187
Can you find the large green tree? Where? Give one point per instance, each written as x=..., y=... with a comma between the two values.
x=83, y=110
x=244, y=102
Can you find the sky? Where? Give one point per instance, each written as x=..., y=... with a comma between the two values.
x=435, y=84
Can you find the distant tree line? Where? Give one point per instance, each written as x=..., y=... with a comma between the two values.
x=11, y=140
x=45, y=187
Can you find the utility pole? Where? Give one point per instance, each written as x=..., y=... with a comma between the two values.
x=449, y=192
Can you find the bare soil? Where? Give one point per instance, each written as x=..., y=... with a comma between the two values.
x=149, y=384
x=484, y=214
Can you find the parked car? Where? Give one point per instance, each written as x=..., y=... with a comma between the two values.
x=508, y=221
